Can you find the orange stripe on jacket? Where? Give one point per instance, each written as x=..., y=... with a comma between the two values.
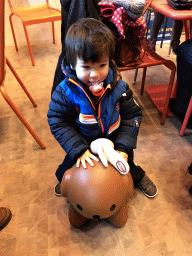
x=115, y=125
x=87, y=119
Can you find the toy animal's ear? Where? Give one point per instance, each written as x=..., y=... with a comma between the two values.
x=65, y=183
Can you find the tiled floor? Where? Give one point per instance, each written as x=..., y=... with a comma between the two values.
x=40, y=226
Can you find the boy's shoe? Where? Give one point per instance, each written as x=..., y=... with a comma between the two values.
x=148, y=188
x=57, y=189
x=5, y=217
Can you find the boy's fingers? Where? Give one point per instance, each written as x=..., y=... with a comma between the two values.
x=94, y=158
x=89, y=161
x=78, y=161
x=83, y=163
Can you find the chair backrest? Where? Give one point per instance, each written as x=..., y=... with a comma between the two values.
x=2, y=41
x=25, y=3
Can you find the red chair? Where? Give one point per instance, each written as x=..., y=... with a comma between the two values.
x=3, y=62
x=186, y=119
x=159, y=94
x=151, y=58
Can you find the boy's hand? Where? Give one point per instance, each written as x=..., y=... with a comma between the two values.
x=106, y=152
x=86, y=157
x=123, y=154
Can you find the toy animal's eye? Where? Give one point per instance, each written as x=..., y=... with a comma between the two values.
x=79, y=207
x=113, y=207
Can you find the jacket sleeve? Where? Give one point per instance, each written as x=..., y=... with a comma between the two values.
x=60, y=115
x=131, y=116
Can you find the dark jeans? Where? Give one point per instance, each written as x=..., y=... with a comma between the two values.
x=137, y=173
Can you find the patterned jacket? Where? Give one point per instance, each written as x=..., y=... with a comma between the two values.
x=75, y=121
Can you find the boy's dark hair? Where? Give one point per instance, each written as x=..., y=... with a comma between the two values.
x=88, y=39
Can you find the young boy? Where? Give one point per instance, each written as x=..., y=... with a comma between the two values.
x=93, y=102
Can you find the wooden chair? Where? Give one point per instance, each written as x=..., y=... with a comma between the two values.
x=31, y=15
x=3, y=62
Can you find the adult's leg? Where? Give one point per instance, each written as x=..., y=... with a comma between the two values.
x=59, y=75
x=176, y=34
x=157, y=22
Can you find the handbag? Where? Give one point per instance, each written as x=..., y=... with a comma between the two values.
x=130, y=46
x=130, y=50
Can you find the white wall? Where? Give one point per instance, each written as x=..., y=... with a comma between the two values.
x=40, y=33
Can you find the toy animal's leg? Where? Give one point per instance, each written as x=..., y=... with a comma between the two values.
x=75, y=218
x=119, y=219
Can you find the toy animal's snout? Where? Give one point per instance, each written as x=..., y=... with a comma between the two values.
x=96, y=217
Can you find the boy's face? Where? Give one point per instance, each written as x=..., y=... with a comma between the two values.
x=92, y=73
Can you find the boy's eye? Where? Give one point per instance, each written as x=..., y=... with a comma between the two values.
x=102, y=65
x=86, y=67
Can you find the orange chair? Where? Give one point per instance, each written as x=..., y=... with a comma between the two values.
x=31, y=15
x=3, y=62
x=151, y=58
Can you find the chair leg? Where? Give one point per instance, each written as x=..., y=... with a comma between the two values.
x=29, y=46
x=135, y=76
x=53, y=31
x=168, y=96
x=174, y=91
x=164, y=30
x=186, y=29
x=20, y=82
x=186, y=119
x=143, y=81
x=20, y=116
x=11, y=24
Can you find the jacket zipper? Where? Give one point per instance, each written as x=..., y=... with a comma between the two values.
x=98, y=118
x=135, y=126
x=99, y=110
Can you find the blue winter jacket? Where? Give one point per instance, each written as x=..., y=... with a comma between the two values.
x=76, y=122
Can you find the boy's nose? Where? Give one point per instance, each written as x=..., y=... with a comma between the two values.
x=94, y=74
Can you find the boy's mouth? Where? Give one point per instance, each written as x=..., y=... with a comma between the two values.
x=96, y=88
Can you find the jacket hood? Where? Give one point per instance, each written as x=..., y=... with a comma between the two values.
x=112, y=77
